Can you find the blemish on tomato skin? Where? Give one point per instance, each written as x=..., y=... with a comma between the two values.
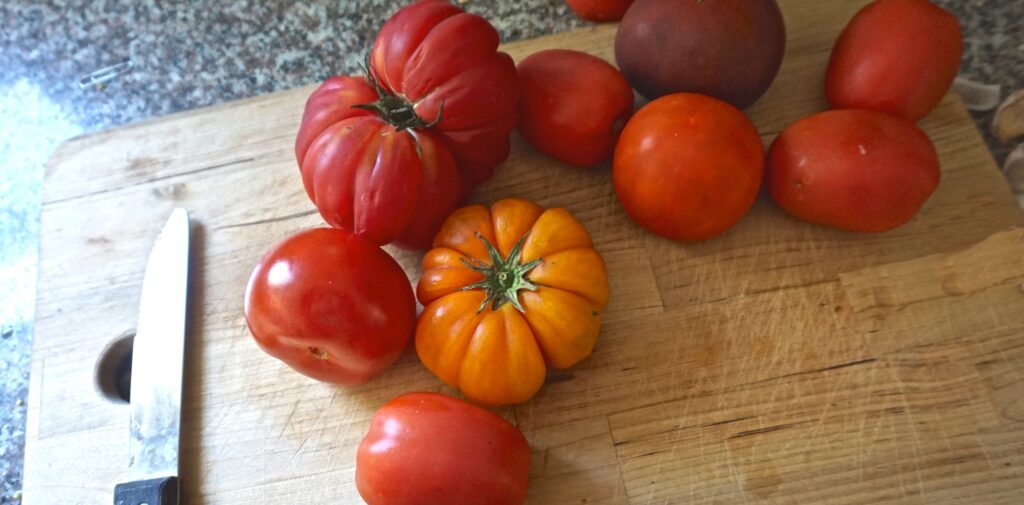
x=619, y=124
x=318, y=353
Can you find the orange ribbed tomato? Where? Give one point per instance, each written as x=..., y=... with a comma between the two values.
x=508, y=291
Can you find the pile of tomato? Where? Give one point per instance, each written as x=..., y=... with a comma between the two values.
x=512, y=289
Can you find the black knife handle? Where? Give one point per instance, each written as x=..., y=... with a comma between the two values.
x=162, y=491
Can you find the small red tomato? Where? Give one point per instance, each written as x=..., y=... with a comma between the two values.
x=858, y=170
x=600, y=10
x=572, y=105
x=331, y=305
x=432, y=449
x=895, y=56
x=688, y=166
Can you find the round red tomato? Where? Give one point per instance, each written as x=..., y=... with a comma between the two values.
x=573, y=105
x=858, y=170
x=600, y=10
x=895, y=56
x=432, y=449
x=688, y=166
x=331, y=305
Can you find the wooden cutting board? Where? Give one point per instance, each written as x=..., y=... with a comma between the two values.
x=780, y=363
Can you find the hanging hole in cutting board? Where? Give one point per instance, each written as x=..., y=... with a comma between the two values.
x=114, y=369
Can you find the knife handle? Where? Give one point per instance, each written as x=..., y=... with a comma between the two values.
x=162, y=491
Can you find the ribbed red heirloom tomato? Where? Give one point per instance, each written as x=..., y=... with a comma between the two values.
x=436, y=111
x=432, y=54
x=688, y=166
x=858, y=170
x=331, y=305
x=573, y=105
x=432, y=449
x=895, y=56
x=600, y=10
x=366, y=176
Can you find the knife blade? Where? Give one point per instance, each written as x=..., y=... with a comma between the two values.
x=157, y=370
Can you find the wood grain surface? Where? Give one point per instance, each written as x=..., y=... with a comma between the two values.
x=783, y=362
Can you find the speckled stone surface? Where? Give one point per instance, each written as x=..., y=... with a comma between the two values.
x=993, y=52
x=188, y=54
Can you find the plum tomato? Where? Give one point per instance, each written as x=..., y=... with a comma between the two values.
x=895, y=56
x=432, y=449
x=572, y=105
x=857, y=170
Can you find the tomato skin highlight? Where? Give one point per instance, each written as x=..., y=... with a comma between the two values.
x=857, y=170
x=895, y=56
x=331, y=305
x=688, y=167
x=600, y=10
x=573, y=105
x=432, y=449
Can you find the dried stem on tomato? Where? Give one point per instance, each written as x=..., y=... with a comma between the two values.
x=396, y=110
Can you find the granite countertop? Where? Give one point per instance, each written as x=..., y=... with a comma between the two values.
x=189, y=54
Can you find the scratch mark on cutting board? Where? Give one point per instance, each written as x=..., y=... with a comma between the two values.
x=840, y=384
x=288, y=421
x=734, y=473
x=268, y=220
x=154, y=179
x=918, y=451
x=830, y=368
x=316, y=425
x=759, y=431
x=728, y=421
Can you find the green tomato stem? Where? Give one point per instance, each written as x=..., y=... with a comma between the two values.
x=393, y=109
x=503, y=277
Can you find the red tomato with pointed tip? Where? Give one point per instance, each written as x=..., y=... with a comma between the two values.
x=331, y=305
x=858, y=170
x=895, y=56
x=573, y=105
x=688, y=166
x=389, y=156
x=600, y=10
x=432, y=449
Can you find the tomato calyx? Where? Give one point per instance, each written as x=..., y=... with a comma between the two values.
x=396, y=110
x=503, y=277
